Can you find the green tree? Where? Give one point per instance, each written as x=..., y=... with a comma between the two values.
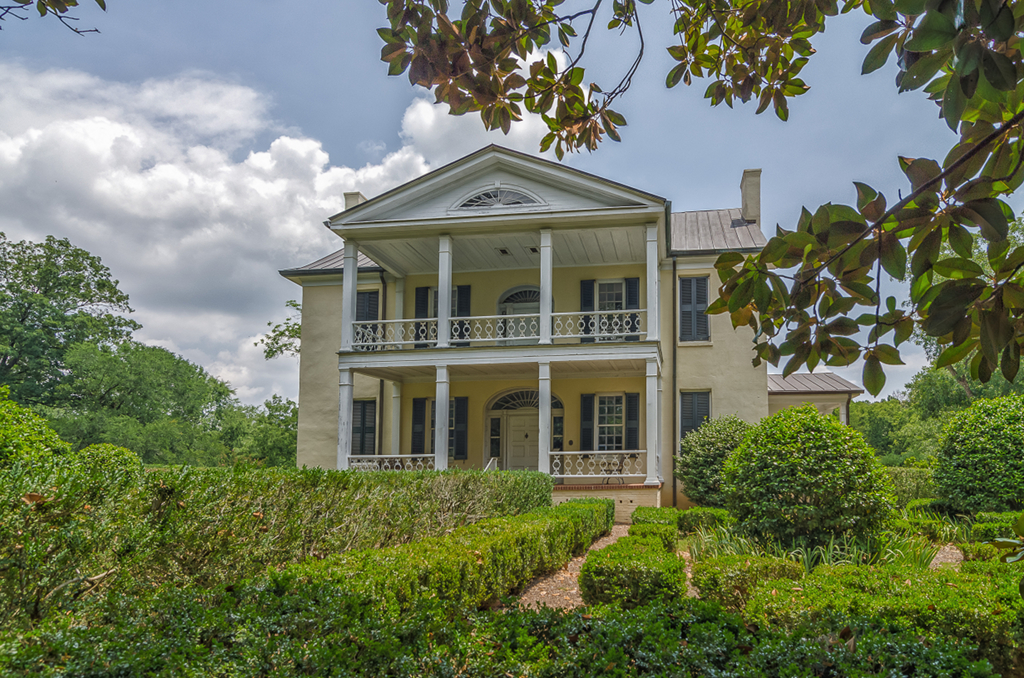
x=272, y=435
x=53, y=295
x=285, y=337
x=145, y=398
x=812, y=295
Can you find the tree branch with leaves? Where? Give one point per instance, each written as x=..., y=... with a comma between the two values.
x=812, y=295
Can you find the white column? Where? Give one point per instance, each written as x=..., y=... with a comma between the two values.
x=441, y=419
x=396, y=417
x=399, y=311
x=444, y=291
x=661, y=426
x=545, y=286
x=652, y=423
x=544, y=444
x=652, y=284
x=348, y=293
x=344, y=418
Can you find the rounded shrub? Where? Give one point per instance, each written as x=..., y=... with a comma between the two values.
x=24, y=435
x=702, y=455
x=981, y=467
x=802, y=477
x=118, y=465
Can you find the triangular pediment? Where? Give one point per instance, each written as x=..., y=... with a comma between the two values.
x=494, y=182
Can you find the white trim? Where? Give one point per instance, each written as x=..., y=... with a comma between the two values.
x=345, y=393
x=490, y=355
x=495, y=185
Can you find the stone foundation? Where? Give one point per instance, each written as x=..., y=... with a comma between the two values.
x=626, y=497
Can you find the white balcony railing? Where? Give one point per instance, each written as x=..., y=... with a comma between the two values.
x=496, y=329
x=601, y=325
x=392, y=462
x=501, y=330
x=603, y=465
x=393, y=334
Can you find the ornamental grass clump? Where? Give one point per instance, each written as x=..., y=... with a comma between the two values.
x=804, y=478
x=702, y=455
x=981, y=467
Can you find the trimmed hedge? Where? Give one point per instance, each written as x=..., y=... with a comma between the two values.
x=911, y=484
x=692, y=519
x=24, y=435
x=732, y=579
x=981, y=467
x=983, y=610
x=310, y=630
x=806, y=478
x=702, y=455
x=668, y=534
x=89, y=526
x=990, y=531
x=631, y=572
x=662, y=515
x=470, y=566
x=927, y=505
x=978, y=551
x=931, y=529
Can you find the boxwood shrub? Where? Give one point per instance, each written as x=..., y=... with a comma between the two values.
x=25, y=435
x=470, y=566
x=316, y=630
x=668, y=534
x=978, y=551
x=981, y=609
x=702, y=455
x=732, y=579
x=980, y=466
x=662, y=515
x=631, y=572
x=692, y=519
x=989, y=531
x=804, y=477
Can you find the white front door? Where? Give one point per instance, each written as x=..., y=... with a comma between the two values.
x=521, y=440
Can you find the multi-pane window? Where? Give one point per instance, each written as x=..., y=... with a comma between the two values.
x=495, y=437
x=610, y=295
x=557, y=433
x=610, y=422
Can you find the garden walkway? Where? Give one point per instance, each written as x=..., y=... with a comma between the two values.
x=561, y=589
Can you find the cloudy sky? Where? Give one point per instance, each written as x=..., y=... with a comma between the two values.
x=197, y=147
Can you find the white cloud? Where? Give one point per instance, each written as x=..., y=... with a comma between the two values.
x=153, y=178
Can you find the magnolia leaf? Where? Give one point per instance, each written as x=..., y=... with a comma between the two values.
x=878, y=30
x=874, y=376
x=953, y=104
x=954, y=354
x=957, y=268
x=887, y=354
x=894, y=256
x=999, y=71
x=1006, y=542
x=934, y=31
x=878, y=55
x=1018, y=527
x=988, y=214
x=1009, y=362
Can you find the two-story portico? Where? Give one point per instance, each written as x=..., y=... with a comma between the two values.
x=509, y=312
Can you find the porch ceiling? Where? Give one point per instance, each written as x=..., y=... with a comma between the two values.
x=481, y=252
x=583, y=369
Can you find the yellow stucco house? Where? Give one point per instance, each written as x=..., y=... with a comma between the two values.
x=509, y=312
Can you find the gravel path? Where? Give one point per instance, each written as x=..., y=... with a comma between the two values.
x=561, y=589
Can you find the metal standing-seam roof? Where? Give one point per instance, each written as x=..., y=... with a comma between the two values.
x=714, y=232
x=818, y=382
x=333, y=263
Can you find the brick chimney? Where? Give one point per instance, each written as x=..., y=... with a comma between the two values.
x=750, y=190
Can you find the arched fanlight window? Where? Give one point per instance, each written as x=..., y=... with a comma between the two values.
x=498, y=197
x=520, y=399
x=528, y=295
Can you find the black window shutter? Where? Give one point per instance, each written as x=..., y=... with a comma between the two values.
x=686, y=319
x=419, y=425
x=694, y=408
x=461, y=428
x=586, y=422
x=632, y=302
x=369, y=426
x=632, y=421
x=367, y=305
x=421, y=310
x=700, y=306
x=587, y=304
x=462, y=310
x=357, y=427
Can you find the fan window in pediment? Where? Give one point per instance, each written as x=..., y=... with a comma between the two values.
x=521, y=399
x=497, y=197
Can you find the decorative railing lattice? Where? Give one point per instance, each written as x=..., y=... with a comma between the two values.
x=616, y=464
x=391, y=462
x=495, y=329
x=392, y=334
x=601, y=325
